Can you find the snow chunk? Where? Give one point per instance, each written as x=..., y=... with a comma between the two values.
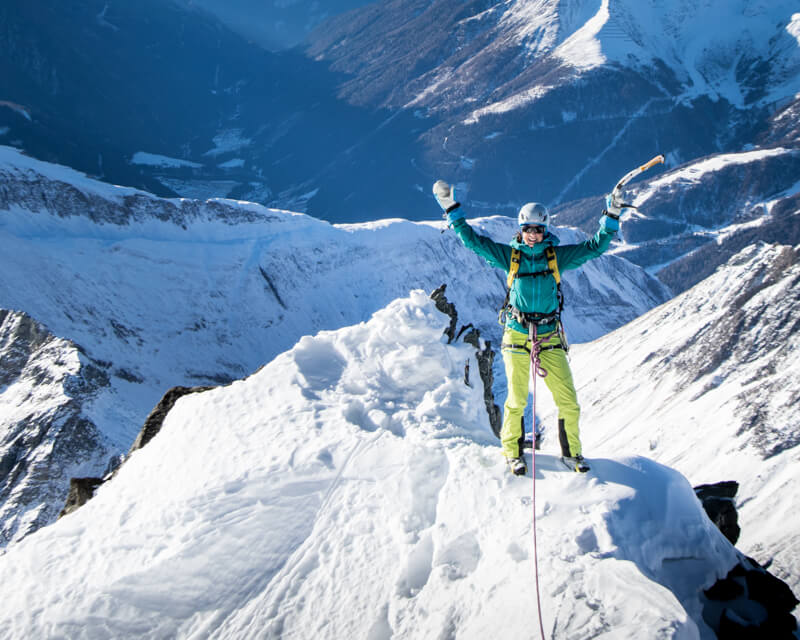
x=227, y=141
x=793, y=28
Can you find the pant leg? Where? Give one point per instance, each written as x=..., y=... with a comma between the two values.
x=517, y=365
x=560, y=383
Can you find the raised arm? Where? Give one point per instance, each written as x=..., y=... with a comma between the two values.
x=495, y=253
x=572, y=256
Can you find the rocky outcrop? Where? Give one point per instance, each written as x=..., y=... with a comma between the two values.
x=749, y=603
x=82, y=489
x=484, y=355
x=718, y=503
x=447, y=308
x=46, y=435
x=154, y=421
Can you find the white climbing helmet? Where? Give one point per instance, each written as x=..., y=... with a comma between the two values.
x=533, y=213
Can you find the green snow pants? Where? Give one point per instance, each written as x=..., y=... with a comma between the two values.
x=517, y=359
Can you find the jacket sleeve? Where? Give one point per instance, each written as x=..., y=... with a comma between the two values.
x=572, y=256
x=496, y=254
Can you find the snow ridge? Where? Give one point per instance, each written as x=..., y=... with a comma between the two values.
x=306, y=482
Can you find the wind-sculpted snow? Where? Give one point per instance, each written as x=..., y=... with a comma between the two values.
x=707, y=383
x=362, y=498
x=182, y=293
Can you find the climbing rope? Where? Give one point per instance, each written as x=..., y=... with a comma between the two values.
x=536, y=370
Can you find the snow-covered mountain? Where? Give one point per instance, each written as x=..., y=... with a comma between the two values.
x=306, y=481
x=554, y=100
x=46, y=434
x=740, y=51
x=491, y=95
x=147, y=293
x=349, y=489
x=708, y=384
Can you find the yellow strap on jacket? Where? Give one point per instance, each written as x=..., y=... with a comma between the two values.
x=513, y=267
x=552, y=264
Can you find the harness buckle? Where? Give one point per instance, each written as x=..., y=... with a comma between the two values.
x=533, y=319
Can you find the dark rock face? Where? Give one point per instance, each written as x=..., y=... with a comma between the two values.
x=447, y=308
x=718, y=503
x=48, y=381
x=751, y=604
x=485, y=357
x=156, y=418
x=81, y=490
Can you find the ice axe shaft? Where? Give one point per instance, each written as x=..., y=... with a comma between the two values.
x=635, y=172
x=616, y=194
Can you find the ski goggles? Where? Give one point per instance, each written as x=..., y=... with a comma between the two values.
x=530, y=228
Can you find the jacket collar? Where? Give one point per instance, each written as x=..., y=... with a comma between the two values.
x=537, y=250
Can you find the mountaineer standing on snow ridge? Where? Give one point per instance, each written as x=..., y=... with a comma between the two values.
x=533, y=307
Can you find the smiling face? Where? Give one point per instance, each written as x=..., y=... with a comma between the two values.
x=532, y=234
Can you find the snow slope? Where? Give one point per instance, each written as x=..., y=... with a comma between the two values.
x=348, y=489
x=159, y=293
x=707, y=384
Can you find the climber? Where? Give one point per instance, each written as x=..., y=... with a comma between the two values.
x=533, y=307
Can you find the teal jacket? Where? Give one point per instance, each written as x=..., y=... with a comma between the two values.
x=536, y=294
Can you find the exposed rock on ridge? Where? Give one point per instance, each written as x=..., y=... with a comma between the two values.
x=46, y=435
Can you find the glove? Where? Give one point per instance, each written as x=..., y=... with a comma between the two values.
x=446, y=197
x=609, y=223
x=614, y=209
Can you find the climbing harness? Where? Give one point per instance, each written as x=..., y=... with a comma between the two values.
x=527, y=319
x=536, y=370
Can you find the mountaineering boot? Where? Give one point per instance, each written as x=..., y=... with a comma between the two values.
x=576, y=464
x=517, y=466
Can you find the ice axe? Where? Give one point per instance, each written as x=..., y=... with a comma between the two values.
x=616, y=193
